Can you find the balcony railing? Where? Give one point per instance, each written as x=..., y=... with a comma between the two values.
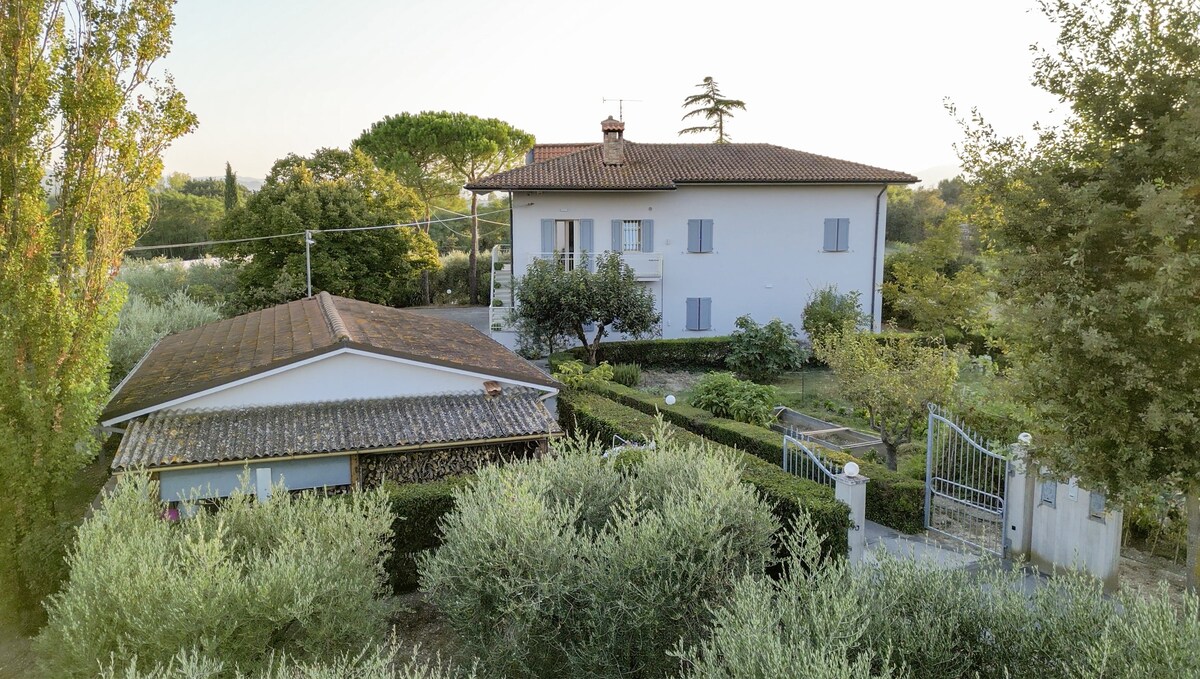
x=647, y=266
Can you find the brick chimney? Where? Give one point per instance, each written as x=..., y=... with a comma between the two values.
x=614, y=141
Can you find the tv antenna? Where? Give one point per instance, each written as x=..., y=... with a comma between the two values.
x=620, y=106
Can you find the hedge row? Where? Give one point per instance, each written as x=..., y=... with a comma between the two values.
x=693, y=353
x=894, y=500
x=594, y=415
x=418, y=507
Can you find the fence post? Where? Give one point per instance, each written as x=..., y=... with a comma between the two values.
x=1019, y=504
x=851, y=489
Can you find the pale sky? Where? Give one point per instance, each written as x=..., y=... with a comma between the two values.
x=859, y=80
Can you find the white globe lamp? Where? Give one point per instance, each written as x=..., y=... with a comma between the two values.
x=670, y=399
x=851, y=469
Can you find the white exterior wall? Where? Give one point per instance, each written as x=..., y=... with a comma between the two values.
x=767, y=256
x=340, y=376
x=1066, y=535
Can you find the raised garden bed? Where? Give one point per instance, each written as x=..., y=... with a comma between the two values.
x=828, y=434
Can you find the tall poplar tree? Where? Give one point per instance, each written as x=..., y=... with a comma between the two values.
x=1095, y=224
x=82, y=129
x=231, y=188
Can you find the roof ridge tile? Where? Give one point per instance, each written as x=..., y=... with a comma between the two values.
x=336, y=325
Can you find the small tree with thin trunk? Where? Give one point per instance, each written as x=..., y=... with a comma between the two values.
x=553, y=302
x=894, y=379
x=714, y=107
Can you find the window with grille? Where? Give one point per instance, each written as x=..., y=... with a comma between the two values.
x=631, y=231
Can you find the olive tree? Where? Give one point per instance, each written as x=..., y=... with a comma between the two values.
x=555, y=302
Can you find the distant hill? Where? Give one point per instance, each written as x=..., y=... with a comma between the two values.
x=251, y=183
x=930, y=176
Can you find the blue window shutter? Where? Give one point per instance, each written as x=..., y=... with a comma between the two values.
x=647, y=235
x=587, y=239
x=616, y=235
x=694, y=229
x=705, y=313
x=693, y=313
x=706, y=235
x=831, y=229
x=589, y=328
x=843, y=235
x=547, y=235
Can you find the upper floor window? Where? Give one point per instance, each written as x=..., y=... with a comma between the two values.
x=837, y=234
x=631, y=235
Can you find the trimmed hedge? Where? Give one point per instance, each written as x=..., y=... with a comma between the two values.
x=418, y=507
x=693, y=353
x=594, y=415
x=893, y=499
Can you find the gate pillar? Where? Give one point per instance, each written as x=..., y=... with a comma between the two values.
x=851, y=489
x=1018, y=534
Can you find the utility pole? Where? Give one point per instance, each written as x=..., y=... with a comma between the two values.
x=308, y=241
x=620, y=106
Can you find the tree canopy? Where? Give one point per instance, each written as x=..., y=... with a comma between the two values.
x=79, y=112
x=179, y=217
x=1095, y=228
x=332, y=189
x=554, y=302
x=438, y=152
x=713, y=107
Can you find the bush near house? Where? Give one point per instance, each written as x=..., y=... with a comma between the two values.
x=300, y=574
x=629, y=374
x=763, y=352
x=417, y=508
x=574, y=565
x=893, y=499
x=787, y=494
x=695, y=354
x=724, y=395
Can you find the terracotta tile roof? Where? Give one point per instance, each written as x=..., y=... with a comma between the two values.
x=541, y=152
x=238, y=347
x=665, y=166
x=178, y=437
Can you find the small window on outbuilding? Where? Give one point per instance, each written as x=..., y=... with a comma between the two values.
x=1049, y=491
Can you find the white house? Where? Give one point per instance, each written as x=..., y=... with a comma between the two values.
x=714, y=230
x=325, y=392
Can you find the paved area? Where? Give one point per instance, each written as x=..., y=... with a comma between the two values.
x=475, y=316
x=920, y=547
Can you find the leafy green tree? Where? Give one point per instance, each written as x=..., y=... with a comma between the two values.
x=911, y=211
x=934, y=286
x=553, y=302
x=439, y=152
x=894, y=378
x=331, y=189
x=232, y=193
x=953, y=190
x=79, y=112
x=714, y=107
x=179, y=217
x=1097, y=228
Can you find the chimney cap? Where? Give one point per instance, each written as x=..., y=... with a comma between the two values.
x=611, y=124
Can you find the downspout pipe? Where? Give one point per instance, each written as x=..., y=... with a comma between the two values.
x=875, y=258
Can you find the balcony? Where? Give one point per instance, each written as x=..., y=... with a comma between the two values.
x=647, y=266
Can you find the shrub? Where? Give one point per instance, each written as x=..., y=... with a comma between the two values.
x=576, y=374
x=572, y=565
x=786, y=494
x=450, y=284
x=911, y=618
x=829, y=311
x=379, y=663
x=893, y=500
x=628, y=374
x=693, y=353
x=764, y=351
x=211, y=282
x=724, y=395
x=298, y=574
x=418, y=508
x=143, y=322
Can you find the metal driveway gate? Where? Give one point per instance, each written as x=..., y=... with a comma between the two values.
x=964, y=485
